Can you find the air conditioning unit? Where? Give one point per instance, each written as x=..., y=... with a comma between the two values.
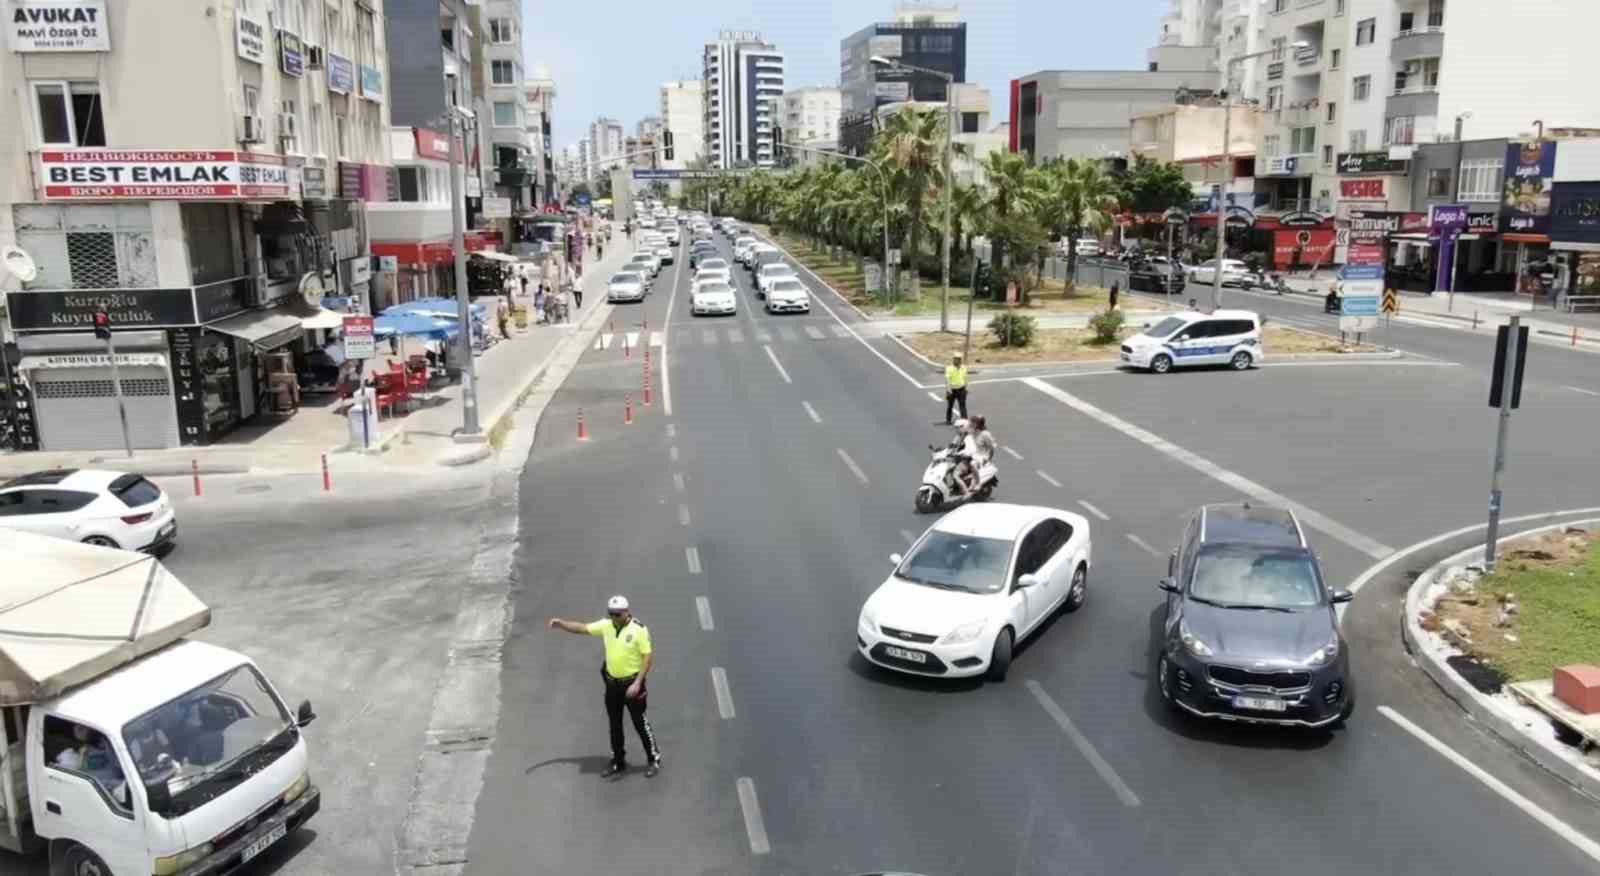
x=252, y=131
x=313, y=57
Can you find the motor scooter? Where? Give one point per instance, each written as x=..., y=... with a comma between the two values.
x=941, y=485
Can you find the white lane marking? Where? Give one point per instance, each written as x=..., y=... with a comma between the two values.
x=839, y=331
x=666, y=373
x=763, y=336
x=719, y=683
x=935, y=396
x=672, y=428
x=677, y=481
x=683, y=514
x=702, y=607
x=811, y=412
x=814, y=333
x=851, y=464
x=1047, y=478
x=857, y=335
x=632, y=340
x=1531, y=809
x=1059, y=375
x=1582, y=390
x=1143, y=545
x=692, y=555
x=708, y=337
x=909, y=536
x=1014, y=455
x=1239, y=482
x=657, y=339
x=735, y=336
x=602, y=341
x=776, y=364
x=1118, y=786
x=1093, y=510
x=672, y=452
x=754, y=827
x=1377, y=568
x=787, y=333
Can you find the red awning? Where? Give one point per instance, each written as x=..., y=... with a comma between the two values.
x=1514, y=237
x=430, y=253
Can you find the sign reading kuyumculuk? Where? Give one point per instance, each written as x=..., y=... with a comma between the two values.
x=57, y=26
x=112, y=174
x=249, y=38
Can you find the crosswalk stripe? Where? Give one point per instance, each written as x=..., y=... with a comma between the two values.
x=786, y=333
x=763, y=335
x=683, y=337
x=708, y=337
x=656, y=339
x=735, y=336
x=840, y=331
x=603, y=341
x=814, y=333
x=633, y=340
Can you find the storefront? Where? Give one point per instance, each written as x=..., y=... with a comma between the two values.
x=427, y=268
x=1525, y=212
x=1575, y=240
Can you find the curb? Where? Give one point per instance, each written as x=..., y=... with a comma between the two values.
x=908, y=348
x=1478, y=706
x=173, y=470
x=474, y=453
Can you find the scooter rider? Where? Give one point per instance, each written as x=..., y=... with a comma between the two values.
x=965, y=447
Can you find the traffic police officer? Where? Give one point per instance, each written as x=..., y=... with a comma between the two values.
x=627, y=663
x=955, y=388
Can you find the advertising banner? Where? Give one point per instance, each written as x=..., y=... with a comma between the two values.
x=1575, y=213
x=371, y=83
x=1446, y=222
x=1370, y=162
x=189, y=385
x=111, y=175
x=497, y=208
x=249, y=38
x=57, y=26
x=291, y=54
x=1374, y=188
x=1529, y=167
x=341, y=73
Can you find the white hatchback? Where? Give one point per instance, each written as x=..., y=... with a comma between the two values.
x=974, y=585
x=771, y=272
x=107, y=508
x=1234, y=273
x=1222, y=337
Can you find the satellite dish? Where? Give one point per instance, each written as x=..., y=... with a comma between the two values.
x=18, y=263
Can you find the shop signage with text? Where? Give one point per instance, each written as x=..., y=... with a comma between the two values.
x=1529, y=167
x=432, y=144
x=371, y=83
x=1370, y=162
x=341, y=73
x=128, y=308
x=249, y=38
x=105, y=174
x=291, y=54
x=360, y=341
x=497, y=208
x=1370, y=189
x=57, y=26
x=96, y=360
x=1575, y=212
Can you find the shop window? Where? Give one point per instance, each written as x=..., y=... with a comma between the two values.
x=208, y=232
x=70, y=114
x=1439, y=182
x=100, y=246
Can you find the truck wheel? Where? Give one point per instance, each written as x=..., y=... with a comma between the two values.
x=80, y=861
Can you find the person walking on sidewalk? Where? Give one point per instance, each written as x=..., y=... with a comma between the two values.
x=577, y=289
x=627, y=662
x=955, y=388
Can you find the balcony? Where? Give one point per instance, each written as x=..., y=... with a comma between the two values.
x=1423, y=42
x=513, y=176
x=1414, y=101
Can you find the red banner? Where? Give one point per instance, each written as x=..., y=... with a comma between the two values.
x=1302, y=246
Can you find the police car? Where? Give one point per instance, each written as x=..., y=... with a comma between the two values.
x=1222, y=337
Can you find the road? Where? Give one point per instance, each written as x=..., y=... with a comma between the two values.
x=751, y=508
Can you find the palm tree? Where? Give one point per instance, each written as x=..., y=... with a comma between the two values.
x=1079, y=196
x=913, y=142
x=968, y=209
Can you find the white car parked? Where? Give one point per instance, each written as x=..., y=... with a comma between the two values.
x=713, y=297
x=774, y=271
x=626, y=286
x=107, y=508
x=714, y=268
x=674, y=236
x=788, y=295
x=1234, y=273
x=974, y=585
x=1222, y=337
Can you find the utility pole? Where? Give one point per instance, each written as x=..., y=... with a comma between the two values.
x=458, y=247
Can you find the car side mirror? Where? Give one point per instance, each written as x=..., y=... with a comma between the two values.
x=304, y=715
x=1341, y=596
x=894, y=559
x=1027, y=580
x=1168, y=585
x=1172, y=565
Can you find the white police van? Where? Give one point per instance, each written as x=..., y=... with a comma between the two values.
x=1223, y=337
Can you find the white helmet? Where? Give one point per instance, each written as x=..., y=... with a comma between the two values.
x=617, y=603
x=963, y=424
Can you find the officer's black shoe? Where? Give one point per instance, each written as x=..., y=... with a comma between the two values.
x=653, y=768
x=613, y=769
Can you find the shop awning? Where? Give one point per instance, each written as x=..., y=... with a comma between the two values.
x=495, y=256
x=264, y=329
x=322, y=318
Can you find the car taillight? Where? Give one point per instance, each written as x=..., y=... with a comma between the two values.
x=137, y=518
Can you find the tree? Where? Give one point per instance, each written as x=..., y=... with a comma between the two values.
x=1014, y=188
x=1024, y=238
x=913, y=142
x=1079, y=196
x=1153, y=187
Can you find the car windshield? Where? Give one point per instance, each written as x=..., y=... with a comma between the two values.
x=788, y=286
x=714, y=289
x=776, y=268
x=207, y=741
x=712, y=264
x=625, y=278
x=950, y=561
x=1247, y=577
x=1165, y=327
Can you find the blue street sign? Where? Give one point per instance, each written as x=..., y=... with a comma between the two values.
x=1364, y=306
x=1361, y=272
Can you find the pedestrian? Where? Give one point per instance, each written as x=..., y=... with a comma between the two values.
x=599, y=249
x=627, y=663
x=1113, y=296
x=524, y=279
x=955, y=388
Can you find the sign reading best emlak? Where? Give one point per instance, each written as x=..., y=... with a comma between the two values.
x=57, y=26
x=111, y=174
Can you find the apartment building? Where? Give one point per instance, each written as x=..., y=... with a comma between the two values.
x=811, y=115
x=510, y=154
x=742, y=96
x=541, y=94
x=922, y=35
x=683, y=113
x=207, y=199
x=606, y=146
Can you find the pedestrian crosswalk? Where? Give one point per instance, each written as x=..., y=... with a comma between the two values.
x=724, y=334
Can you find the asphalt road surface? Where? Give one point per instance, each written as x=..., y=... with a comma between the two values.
x=749, y=510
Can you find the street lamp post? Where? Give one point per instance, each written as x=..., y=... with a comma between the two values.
x=1227, y=172
x=883, y=184
x=949, y=183
x=470, y=427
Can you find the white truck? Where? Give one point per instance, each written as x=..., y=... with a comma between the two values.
x=126, y=749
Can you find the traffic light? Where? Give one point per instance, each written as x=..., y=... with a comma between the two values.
x=102, y=325
x=666, y=145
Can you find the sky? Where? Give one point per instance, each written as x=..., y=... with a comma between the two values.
x=612, y=59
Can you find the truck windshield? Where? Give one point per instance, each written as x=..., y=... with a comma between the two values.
x=209, y=740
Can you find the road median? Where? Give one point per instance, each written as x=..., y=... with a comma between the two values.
x=1078, y=345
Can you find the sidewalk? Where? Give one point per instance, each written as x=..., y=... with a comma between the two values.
x=421, y=439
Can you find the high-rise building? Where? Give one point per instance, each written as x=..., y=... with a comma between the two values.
x=743, y=95
x=606, y=147
x=811, y=115
x=924, y=35
x=683, y=112
x=506, y=94
x=541, y=96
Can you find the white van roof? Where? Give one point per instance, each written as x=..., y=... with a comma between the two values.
x=70, y=613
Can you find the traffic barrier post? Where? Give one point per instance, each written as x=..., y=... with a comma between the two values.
x=194, y=465
x=327, y=478
x=583, y=433
x=627, y=410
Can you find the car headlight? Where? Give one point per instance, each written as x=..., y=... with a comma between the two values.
x=299, y=787
x=1193, y=643
x=965, y=633
x=1324, y=655
x=181, y=861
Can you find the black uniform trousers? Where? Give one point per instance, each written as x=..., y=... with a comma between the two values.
x=952, y=396
x=616, y=701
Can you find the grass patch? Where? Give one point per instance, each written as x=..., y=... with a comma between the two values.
x=498, y=435
x=1555, y=580
x=1079, y=345
x=1283, y=341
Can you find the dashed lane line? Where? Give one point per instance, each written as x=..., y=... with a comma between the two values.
x=692, y=555
x=1093, y=510
x=719, y=683
x=754, y=827
x=702, y=607
x=1143, y=545
x=677, y=481
x=1582, y=390
x=1013, y=454
x=811, y=412
x=854, y=469
x=1044, y=476
x=776, y=364
x=1087, y=749
x=683, y=514
x=814, y=333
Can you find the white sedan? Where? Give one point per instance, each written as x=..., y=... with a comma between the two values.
x=665, y=254
x=717, y=268
x=741, y=248
x=1234, y=273
x=626, y=286
x=106, y=508
x=649, y=256
x=771, y=272
x=788, y=295
x=713, y=297
x=974, y=585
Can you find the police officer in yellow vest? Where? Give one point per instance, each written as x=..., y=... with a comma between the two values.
x=955, y=388
x=628, y=660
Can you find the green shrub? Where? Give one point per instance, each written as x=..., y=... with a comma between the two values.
x=1012, y=329
x=1107, y=325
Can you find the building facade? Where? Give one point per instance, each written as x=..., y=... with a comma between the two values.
x=811, y=115
x=742, y=97
x=924, y=36
x=683, y=113
x=209, y=228
x=510, y=154
x=541, y=93
x=1087, y=113
x=606, y=146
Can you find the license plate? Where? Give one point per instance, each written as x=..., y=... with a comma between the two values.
x=1259, y=704
x=260, y=845
x=903, y=654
